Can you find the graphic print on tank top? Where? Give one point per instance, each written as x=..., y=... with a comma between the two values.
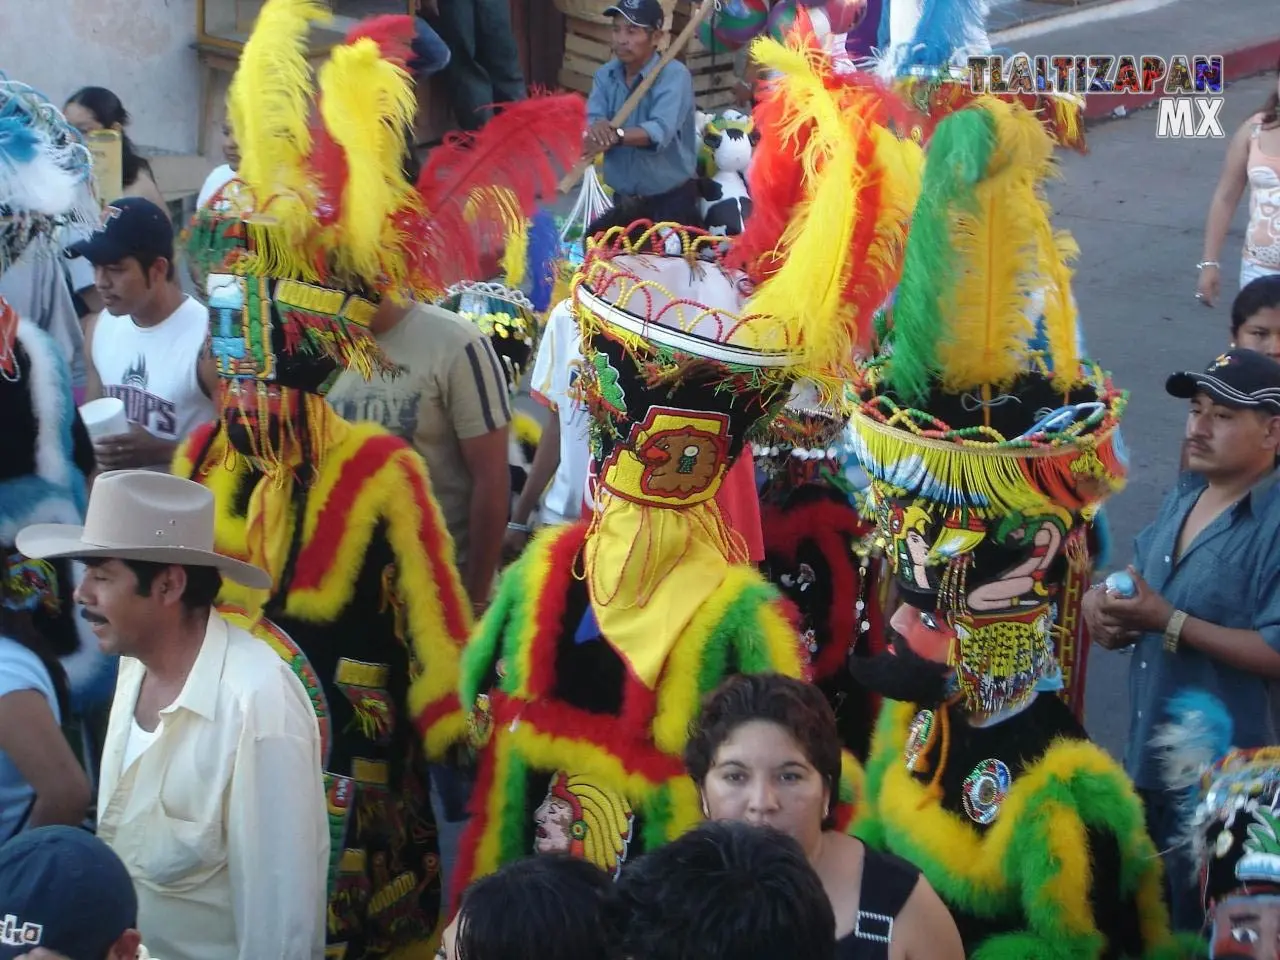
x=155, y=414
x=153, y=370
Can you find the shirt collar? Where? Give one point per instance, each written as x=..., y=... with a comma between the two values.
x=649, y=64
x=1262, y=490
x=200, y=693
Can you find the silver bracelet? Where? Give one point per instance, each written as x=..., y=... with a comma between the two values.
x=519, y=527
x=1207, y=263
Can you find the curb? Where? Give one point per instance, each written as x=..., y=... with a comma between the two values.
x=1046, y=17
x=1237, y=64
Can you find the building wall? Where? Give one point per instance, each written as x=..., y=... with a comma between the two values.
x=140, y=49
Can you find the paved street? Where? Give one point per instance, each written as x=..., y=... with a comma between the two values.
x=1136, y=206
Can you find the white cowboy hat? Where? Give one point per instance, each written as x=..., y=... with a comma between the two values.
x=142, y=515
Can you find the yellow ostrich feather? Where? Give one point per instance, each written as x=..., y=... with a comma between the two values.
x=366, y=102
x=494, y=205
x=809, y=293
x=900, y=166
x=1006, y=250
x=515, y=253
x=269, y=103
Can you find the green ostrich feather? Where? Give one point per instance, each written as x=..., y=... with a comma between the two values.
x=957, y=160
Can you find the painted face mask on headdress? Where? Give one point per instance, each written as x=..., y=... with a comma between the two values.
x=987, y=456
x=1232, y=822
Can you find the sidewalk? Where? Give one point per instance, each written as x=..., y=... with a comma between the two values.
x=1245, y=32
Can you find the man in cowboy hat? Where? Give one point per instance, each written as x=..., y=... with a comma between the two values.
x=210, y=790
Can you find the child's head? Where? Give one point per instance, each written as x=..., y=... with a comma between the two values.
x=1255, y=316
x=541, y=907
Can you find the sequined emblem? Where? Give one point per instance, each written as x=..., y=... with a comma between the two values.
x=985, y=789
x=918, y=737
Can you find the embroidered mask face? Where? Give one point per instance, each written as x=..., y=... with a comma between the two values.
x=582, y=819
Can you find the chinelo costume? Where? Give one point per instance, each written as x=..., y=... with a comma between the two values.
x=1232, y=822
x=988, y=459
x=586, y=671
x=45, y=453
x=366, y=603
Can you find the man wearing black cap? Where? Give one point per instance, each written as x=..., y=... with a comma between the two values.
x=64, y=893
x=1205, y=606
x=649, y=161
x=147, y=347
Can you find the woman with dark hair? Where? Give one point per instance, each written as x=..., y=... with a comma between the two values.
x=1253, y=161
x=542, y=908
x=97, y=108
x=765, y=751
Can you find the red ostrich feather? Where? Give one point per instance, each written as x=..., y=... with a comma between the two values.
x=522, y=151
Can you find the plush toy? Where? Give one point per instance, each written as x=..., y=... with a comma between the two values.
x=727, y=142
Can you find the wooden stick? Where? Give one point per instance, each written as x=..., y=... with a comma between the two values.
x=673, y=49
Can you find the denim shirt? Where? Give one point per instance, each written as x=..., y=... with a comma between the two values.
x=665, y=113
x=1230, y=577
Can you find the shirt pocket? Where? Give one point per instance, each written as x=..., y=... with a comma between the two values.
x=179, y=854
x=1223, y=595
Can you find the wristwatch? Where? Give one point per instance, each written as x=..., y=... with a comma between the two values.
x=621, y=134
x=1173, y=631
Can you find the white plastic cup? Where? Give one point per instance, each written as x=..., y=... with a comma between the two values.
x=104, y=418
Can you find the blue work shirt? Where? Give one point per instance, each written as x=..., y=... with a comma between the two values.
x=1230, y=577
x=665, y=113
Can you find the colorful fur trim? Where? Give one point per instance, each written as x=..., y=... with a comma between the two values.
x=1033, y=862
x=637, y=752
x=368, y=478
x=832, y=527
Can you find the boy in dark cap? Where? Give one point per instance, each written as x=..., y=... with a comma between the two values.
x=64, y=893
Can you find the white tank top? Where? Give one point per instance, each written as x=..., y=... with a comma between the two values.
x=153, y=369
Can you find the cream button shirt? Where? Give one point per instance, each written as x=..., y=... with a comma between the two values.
x=221, y=821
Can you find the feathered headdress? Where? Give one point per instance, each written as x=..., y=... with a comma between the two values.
x=979, y=415
x=832, y=190
x=44, y=182
x=981, y=246
x=1231, y=809
x=323, y=158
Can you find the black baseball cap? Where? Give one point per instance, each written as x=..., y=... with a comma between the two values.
x=1243, y=379
x=131, y=227
x=643, y=13
x=63, y=889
